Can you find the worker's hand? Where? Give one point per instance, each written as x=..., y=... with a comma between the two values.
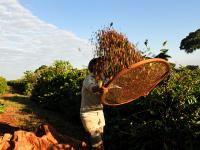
x=100, y=83
x=104, y=89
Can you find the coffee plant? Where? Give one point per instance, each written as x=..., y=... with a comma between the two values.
x=59, y=88
x=3, y=85
x=168, y=118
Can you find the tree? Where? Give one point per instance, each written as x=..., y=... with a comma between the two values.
x=61, y=66
x=191, y=42
x=41, y=68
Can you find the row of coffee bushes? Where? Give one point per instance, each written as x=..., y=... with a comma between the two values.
x=3, y=85
x=56, y=87
x=60, y=90
x=168, y=118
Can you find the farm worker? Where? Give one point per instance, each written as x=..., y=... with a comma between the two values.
x=91, y=111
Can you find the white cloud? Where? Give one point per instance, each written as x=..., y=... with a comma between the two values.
x=26, y=42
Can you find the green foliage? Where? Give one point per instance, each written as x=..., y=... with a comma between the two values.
x=56, y=87
x=191, y=42
x=19, y=86
x=168, y=118
x=3, y=85
x=2, y=108
x=26, y=83
x=59, y=88
x=162, y=54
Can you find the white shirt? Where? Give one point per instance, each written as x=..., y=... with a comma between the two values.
x=90, y=101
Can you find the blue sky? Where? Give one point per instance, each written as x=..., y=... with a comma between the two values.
x=156, y=20
x=37, y=32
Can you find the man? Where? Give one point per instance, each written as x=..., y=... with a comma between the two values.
x=91, y=111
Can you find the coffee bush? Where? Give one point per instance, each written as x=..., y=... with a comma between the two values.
x=3, y=85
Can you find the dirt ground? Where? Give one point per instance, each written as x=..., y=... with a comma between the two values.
x=7, y=119
x=21, y=113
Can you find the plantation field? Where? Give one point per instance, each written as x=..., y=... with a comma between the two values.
x=168, y=118
x=18, y=112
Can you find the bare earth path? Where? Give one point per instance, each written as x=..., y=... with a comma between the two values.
x=8, y=117
x=15, y=113
x=22, y=114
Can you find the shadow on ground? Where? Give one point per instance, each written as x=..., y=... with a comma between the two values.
x=6, y=128
x=38, y=116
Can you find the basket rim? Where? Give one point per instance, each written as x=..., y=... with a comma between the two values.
x=146, y=61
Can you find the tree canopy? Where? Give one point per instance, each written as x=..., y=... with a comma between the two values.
x=191, y=42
